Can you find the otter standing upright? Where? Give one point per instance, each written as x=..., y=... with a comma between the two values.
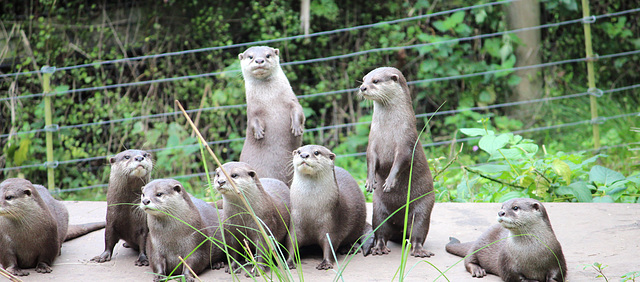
x=390, y=152
x=275, y=120
x=522, y=247
x=130, y=170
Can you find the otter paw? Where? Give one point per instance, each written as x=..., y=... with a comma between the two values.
x=421, y=253
x=378, y=251
x=388, y=185
x=43, y=268
x=104, y=257
x=290, y=264
x=325, y=264
x=17, y=271
x=477, y=271
x=259, y=134
x=296, y=130
x=142, y=260
x=370, y=185
x=217, y=265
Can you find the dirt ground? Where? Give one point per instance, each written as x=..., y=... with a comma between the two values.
x=604, y=233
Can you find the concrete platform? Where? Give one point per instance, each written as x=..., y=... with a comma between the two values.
x=604, y=233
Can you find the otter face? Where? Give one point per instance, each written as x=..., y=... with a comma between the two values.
x=383, y=85
x=16, y=197
x=313, y=160
x=161, y=196
x=259, y=61
x=518, y=213
x=242, y=175
x=135, y=163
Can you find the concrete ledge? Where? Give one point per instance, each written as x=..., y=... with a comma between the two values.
x=604, y=233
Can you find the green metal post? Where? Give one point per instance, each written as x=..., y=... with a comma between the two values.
x=48, y=120
x=591, y=74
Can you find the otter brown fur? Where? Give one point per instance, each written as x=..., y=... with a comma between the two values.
x=525, y=248
x=269, y=200
x=33, y=226
x=130, y=170
x=275, y=120
x=392, y=141
x=178, y=224
x=325, y=200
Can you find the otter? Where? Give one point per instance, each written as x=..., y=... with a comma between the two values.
x=525, y=248
x=393, y=145
x=269, y=200
x=34, y=225
x=275, y=120
x=325, y=199
x=178, y=224
x=130, y=170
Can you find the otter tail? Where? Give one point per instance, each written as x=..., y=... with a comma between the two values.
x=459, y=249
x=367, y=239
x=78, y=230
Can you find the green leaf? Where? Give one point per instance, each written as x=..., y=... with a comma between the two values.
x=604, y=175
x=475, y=131
x=21, y=153
x=561, y=168
x=492, y=168
x=603, y=199
x=529, y=148
x=509, y=154
x=492, y=143
x=512, y=195
x=578, y=190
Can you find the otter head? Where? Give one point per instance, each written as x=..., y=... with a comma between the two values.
x=383, y=85
x=241, y=174
x=313, y=160
x=132, y=163
x=259, y=62
x=17, y=197
x=521, y=214
x=162, y=196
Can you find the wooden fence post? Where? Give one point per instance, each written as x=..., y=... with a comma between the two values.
x=590, y=73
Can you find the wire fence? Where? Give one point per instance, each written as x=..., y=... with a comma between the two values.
x=57, y=128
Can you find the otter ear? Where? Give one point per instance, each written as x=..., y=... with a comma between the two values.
x=275, y=50
x=535, y=206
x=332, y=156
x=293, y=153
x=27, y=192
x=240, y=56
x=395, y=77
x=252, y=174
x=112, y=160
x=177, y=188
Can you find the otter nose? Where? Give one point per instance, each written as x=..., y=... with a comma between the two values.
x=363, y=88
x=259, y=61
x=139, y=158
x=222, y=182
x=501, y=213
x=304, y=155
x=146, y=201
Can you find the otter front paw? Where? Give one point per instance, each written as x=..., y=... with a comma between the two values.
x=380, y=250
x=476, y=270
x=43, y=268
x=142, y=260
x=388, y=185
x=325, y=264
x=296, y=129
x=17, y=271
x=421, y=253
x=370, y=185
x=258, y=133
x=290, y=264
x=105, y=256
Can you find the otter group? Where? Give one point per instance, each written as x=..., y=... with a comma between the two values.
x=293, y=193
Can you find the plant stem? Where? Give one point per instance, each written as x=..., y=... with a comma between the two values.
x=491, y=178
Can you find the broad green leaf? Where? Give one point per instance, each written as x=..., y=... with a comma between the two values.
x=528, y=147
x=512, y=195
x=581, y=192
x=603, y=199
x=604, y=175
x=491, y=143
x=475, y=131
x=509, y=154
x=22, y=151
x=492, y=168
x=561, y=168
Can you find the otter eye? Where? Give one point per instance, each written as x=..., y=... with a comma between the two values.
x=298, y=152
x=159, y=194
x=250, y=57
x=316, y=153
x=515, y=208
x=8, y=198
x=375, y=81
x=126, y=157
x=146, y=155
x=234, y=175
x=268, y=56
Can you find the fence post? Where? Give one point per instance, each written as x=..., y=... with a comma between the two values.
x=590, y=73
x=47, y=72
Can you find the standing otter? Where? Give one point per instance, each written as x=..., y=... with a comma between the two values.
x=178, y=224
x=269, y=200
x=33, y=225
x=325, y=199
x=525, y=248
x=392, y=141
x=275, y=120
x=130, y=170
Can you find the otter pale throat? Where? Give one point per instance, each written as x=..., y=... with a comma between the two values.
x=337, y=210
x=390, y=152
x=275, y=120
x=525, y=248
x=130, y=170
